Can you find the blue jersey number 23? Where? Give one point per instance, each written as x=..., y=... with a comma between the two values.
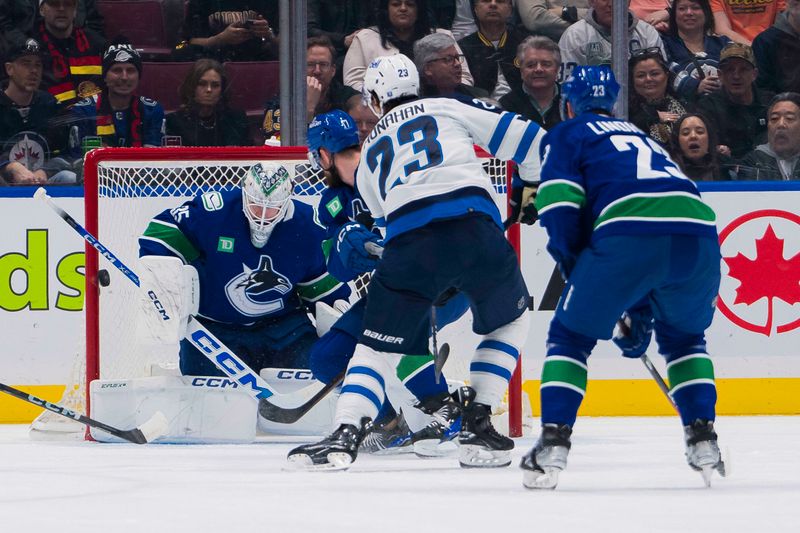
x=382, y=151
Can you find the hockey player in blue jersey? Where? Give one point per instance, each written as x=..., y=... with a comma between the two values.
x=333, y=144
x=248, y=263
x=422, y=182
x=631, y=235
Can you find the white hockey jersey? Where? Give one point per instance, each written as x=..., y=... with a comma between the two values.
x=418, y=164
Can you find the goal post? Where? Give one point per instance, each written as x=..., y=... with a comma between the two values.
x=126, y=187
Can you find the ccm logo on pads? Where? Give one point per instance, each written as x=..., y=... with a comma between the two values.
x=158, y=305
x=389, y=339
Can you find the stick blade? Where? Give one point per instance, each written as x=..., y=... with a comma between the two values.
x=156, y=427
x=40, y=193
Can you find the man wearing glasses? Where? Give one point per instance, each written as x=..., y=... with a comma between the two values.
x=588, y=41
x=440, y=66
x=323, y=92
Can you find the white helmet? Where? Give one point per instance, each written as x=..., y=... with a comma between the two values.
x=266, y=189
x=389, y=78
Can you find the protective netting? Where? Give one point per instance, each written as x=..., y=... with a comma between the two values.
x=129, y=193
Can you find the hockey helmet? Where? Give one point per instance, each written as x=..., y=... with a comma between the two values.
x=589, y=88
x=389, y=78
x=335, y=131
x=266, y=190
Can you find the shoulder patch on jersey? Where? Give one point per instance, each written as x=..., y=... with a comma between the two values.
x=148, y=101
x=212, y=201
x=334, y=206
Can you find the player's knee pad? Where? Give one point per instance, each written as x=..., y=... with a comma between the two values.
x=514, y=333
x=674, y=343
x=330, y=354
x=563, y=341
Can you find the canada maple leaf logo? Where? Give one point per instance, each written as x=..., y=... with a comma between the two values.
x=768, y=275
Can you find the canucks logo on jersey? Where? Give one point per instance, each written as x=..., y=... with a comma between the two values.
x=257, y=292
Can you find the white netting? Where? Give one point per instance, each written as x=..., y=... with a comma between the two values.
x=130, y=193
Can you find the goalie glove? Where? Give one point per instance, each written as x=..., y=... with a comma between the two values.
x=169, y=294
x=634, y=332
x=522, y=208
x=351, y=247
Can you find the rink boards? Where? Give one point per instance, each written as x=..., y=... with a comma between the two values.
x=754, y=339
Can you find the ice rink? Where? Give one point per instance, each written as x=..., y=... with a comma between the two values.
x=624, y=475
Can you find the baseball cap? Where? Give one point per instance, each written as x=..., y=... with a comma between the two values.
x=737, y=50
x=28, y=47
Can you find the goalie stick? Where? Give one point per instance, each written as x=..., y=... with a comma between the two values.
x=290, y=416
x=202, y=339
x=155, y=427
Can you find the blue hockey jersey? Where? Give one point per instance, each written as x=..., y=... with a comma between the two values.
x=603, y=176
x=239, y=283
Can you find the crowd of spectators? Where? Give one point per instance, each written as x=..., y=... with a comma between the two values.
x=714, y=82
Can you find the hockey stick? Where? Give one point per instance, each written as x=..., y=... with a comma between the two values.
x=648, y=364
x=202, y=339
x=155, y=427
x=290, y=416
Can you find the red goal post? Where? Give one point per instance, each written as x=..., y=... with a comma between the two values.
x=125, y=187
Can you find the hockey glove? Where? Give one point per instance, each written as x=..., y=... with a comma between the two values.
x=351, y=247
x=522, y=208
x=635, y=332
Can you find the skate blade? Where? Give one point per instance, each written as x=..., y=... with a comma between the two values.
x=707, y=472
x=471, y=456
x=336, y=461
x=434, y=448
x=533, y=479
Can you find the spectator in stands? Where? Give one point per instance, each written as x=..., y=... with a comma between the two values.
x=739, y=110
x=653, y=106
x=339, y=20
x=364, y=117
x=490, y=51
x=233, y=30
x=118, y=114
x=323, y=92
x=742, y=21
x=551, y=17
x=204, y=118
x=588, y=41
x=440, y=67
x=72, y=64
x=19, y=17
x=400, y=23
x=454, y=15
x=653, y=12
x=25, y=122
x=779, y=158
x=693, y=48
x=777, y=51
x=539, y=96
x=695, y=148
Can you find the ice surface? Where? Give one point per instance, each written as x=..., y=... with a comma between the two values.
x=624, y=475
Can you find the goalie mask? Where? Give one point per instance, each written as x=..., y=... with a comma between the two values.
x=389, y=78
x=266, y=190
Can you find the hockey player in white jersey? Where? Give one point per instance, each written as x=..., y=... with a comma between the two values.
x=422, y=182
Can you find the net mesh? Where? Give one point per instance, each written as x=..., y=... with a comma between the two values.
x=130, y=193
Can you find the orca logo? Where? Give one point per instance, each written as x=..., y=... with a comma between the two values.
x=258, y=292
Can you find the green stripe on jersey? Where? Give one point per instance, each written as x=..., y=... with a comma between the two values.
x=318, y=288
x=412, y=364
x=173, y=238
x=552, y=193
x=690, y=368
x=564, y=370
x=660, y=207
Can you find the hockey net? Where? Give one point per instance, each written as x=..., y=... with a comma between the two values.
x=124, y=189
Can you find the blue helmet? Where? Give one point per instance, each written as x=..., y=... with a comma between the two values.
x=335, y=131
x=590, y=88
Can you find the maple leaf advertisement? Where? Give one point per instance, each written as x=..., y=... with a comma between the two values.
x=771, y=275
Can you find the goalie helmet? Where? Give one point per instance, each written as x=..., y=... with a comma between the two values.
x=589, y=88
x=335, y=131
x=266, y=190
x=389, y=78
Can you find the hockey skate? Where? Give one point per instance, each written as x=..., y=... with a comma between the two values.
x=548, y=458
x=437, y=438
x=391, y=437
x=481, y=446
x=702, y=451
x=335, y=452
